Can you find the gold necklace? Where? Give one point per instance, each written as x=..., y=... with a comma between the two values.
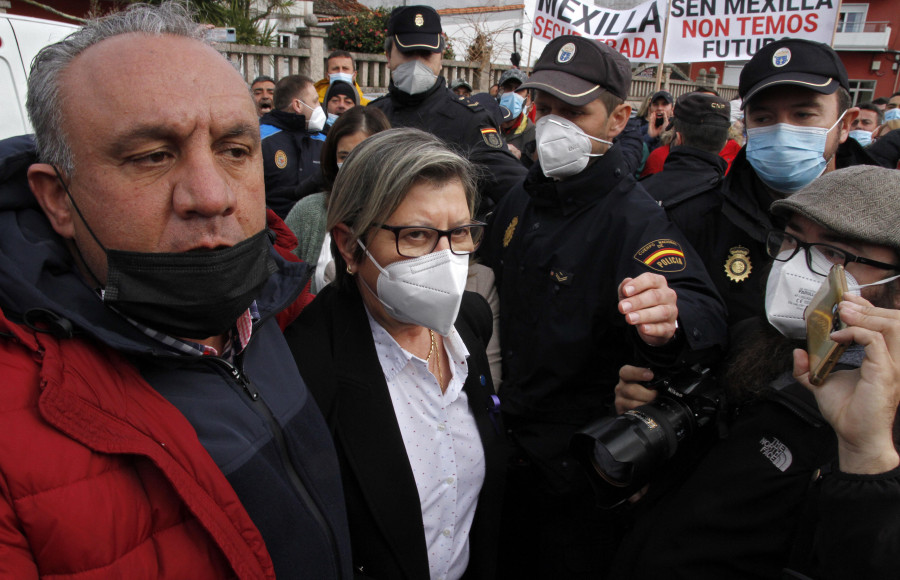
x=437, y=359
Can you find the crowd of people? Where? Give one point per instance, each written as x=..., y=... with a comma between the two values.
x=282, y=331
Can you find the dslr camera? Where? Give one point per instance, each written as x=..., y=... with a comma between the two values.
x=623, y=453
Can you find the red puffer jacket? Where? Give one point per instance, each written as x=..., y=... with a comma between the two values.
x=83, y=438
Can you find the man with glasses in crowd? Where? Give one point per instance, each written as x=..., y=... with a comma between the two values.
x=807, y=477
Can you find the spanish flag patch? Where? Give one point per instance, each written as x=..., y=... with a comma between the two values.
x=662, y=256
x=491, y=137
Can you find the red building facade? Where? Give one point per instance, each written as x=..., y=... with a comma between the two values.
x=868, y=42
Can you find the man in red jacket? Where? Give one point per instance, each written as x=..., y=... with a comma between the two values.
x=154, y=424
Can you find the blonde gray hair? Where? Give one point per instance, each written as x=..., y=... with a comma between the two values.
x=375, y=178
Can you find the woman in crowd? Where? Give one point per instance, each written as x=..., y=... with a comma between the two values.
x=307, y=217
x=394, y=352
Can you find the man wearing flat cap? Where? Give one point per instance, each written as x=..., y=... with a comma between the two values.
x=807, y=482
x=418, y=97
x=590, y=274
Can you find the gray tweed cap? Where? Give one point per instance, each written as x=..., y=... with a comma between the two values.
x=860, y=202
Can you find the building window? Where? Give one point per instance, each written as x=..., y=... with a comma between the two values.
x=862, y=91
x=852, y=18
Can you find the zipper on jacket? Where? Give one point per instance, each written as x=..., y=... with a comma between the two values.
x=242, y=379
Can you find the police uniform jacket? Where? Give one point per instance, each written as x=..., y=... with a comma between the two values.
x=291, y=154
x=690, y=189
x=464, y=125
x=559, y=250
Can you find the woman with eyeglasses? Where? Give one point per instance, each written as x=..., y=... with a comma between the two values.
x=394, y=352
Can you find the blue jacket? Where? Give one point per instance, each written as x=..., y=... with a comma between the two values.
x=254, y=417
x=291, y=155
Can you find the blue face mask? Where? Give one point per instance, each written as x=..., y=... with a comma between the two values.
x=787, y=157
x=863, y=137
x=513, y=102
x=891, y=115
x=346, y=77
x=331, y=119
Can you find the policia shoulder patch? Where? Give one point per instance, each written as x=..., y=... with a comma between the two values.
x=491, y=138
x=662, y=255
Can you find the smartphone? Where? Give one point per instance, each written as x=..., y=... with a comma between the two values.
x=659, y=121
x=822, y=318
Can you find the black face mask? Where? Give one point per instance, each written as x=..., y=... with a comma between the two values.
x=194, y=294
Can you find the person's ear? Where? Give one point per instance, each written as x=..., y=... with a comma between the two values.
x=617, y=120
x=52, y=197
x=846, y=123
x=346, y=245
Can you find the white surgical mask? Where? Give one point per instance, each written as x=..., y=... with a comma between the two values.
x=413, y=77
x=791, y=286
x=862, y=136
x=341, y=76
x=563, y=148
x=426, y=290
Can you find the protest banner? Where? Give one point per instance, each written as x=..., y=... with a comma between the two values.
x=636, y=33
x=723, y=30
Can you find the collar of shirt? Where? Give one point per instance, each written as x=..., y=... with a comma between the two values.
x=394, y=358
x=235, y=342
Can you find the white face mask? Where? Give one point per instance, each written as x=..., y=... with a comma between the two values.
x=340, y=76
x=315, y=121
x=413, y=77
x=791, y=286
x=426, y=290
x=563, y=148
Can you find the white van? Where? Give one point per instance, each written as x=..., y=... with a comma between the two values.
x=21, y=38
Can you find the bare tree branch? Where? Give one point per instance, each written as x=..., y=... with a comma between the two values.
x=54, y=11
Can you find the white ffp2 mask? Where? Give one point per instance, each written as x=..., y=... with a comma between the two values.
x=426, y=290
x=563, y=148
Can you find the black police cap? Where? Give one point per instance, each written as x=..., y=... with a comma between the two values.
x=793, y=61
x=577, y=70
x=416, y=28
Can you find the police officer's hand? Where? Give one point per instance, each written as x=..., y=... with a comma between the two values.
x=629, y=392
x=861, y=404
x=649, y=304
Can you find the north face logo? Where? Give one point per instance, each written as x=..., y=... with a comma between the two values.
x=776, y=452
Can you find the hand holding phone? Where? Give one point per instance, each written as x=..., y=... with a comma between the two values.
x=822, y=318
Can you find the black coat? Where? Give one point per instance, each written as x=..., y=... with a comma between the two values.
x=559, y=250
x=466, y=126
x=691, y=190
x=334, y=350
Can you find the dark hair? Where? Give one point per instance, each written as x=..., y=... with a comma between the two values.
x=874, y=108
x=880, y=101
x=610, y=101
x=354, y=120
x=262, y=78
x=710, y=138
x=341, y=54
x=288, y=89
x=705, y=89
x=845, y=101
x=895, y=94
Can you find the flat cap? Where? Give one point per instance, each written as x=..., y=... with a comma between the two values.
x=461, y=83
x=861, y=202
x=577, y=70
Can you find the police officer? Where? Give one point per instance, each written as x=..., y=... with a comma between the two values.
x=798, y=116
x=689, y=188
x=590, y=273
x=418, y=97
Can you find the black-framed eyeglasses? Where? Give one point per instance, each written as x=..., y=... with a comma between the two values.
x=782, y=246
x=416, y=241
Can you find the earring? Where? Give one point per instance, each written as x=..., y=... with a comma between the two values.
x=349, y=270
